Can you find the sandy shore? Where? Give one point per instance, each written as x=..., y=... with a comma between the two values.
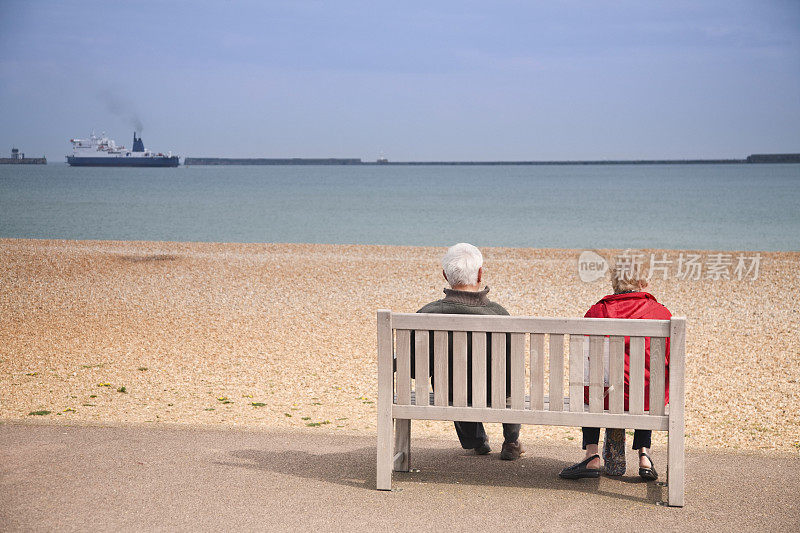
x=253, y=334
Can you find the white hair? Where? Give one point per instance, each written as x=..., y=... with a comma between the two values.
x=461, y=264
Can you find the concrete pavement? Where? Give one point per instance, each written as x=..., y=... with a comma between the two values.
x=56, y=477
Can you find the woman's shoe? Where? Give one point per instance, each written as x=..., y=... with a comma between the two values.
x=648, y=474
x=579, y=470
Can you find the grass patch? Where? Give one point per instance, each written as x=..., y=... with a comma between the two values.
x=89, y=405
x=99, y=365
x=318, y=424
x=316, y=403
x=258, y=404
x=305, y=418
x=208, y=409
x=224, y=400
x=148, y=258
x=38, y=413
x=142, y=369
x=122, y=389
x=93, y=396
x=287, y=415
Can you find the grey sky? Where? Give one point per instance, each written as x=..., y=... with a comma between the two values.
x=416, y=80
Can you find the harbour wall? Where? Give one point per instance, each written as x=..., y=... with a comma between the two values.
x=268, y=161
x=23, y=161
x=755, y=158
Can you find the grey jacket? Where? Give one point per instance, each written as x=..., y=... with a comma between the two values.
x=466, y=303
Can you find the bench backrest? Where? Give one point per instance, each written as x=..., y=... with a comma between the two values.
x=531, y=342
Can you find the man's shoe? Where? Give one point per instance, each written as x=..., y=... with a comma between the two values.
x=483, y=449
x=579, y=470
x=511, y=451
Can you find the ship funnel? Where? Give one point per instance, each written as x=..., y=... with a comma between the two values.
x=138, y=145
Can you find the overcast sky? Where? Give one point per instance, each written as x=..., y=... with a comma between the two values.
x=415, y=80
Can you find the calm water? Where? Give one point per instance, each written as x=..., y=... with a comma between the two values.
x=733, y=207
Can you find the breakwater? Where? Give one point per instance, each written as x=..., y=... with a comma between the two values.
x=773, y=158
x=23, y=161
x=755, y=158
x=269, y=161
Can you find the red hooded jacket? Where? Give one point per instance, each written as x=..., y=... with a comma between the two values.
x=633, y=305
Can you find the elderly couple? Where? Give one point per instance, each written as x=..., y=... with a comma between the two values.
x=462, y=267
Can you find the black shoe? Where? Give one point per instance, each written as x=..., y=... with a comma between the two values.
x=483, y=449
x=648, y=474
x=579, y=470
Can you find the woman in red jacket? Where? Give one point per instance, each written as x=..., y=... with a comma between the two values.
x=628, y=301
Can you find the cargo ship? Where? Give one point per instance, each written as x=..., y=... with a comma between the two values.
x=104, y=152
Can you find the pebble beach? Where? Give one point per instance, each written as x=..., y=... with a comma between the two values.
x=283, y=335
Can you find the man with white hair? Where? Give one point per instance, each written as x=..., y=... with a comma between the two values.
x=462, y=267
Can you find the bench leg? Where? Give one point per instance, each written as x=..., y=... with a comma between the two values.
x=675, y=466
x=402, y=444
x=385, y=459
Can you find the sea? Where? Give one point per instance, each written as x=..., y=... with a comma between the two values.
x=749, y=207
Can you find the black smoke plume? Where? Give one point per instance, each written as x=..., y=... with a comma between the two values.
x=123, y=108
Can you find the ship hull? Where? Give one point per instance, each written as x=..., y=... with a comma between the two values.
x=123, y=161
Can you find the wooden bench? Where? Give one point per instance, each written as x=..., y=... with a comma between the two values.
x=403, y=397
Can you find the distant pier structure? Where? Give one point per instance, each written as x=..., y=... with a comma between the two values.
x=773, y=158
x=18, y=158
x=270, y=161
x=382, y=160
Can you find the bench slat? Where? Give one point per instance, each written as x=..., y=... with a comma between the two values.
x=508, y=324
x=549, y=418
x=616, y=378
x=403, y=351
x=636, y=385
x=537, y=371
x=479, y=369
x=459, y=368
x=527, y=404
x=440, y=368
x=596, y=373
x=518, y=371
x=576, y=343
x=657, y=349
x=498, y=371
x=556, y=371
x=421, y=367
